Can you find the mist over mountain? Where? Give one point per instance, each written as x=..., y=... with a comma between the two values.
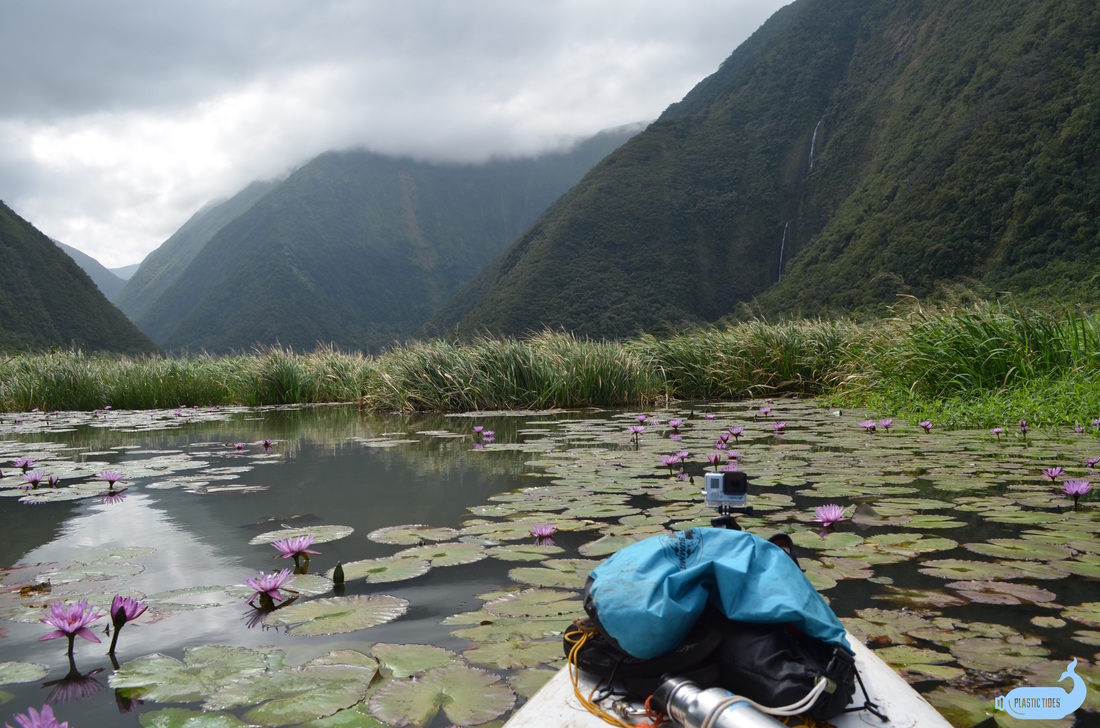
x=849, y=152
x=354, y=249
x=47, y=300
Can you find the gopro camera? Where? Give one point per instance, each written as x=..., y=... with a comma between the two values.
x=727, y=490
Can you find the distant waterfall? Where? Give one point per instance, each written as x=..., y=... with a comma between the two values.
x=813, y=143
x=782, y=246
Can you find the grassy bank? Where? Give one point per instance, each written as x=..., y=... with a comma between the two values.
x=983, y=366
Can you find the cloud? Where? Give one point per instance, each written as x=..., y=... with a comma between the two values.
x=123, y=117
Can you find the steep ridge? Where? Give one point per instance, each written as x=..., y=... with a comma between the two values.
x=357, y=249
x=951, y=141
x=47, y=300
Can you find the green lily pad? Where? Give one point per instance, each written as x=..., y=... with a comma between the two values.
x=494, y=629
x=357, y=716
x=385, y=569
x=1001, y=592
x=184, y=718
x=606, y=545
x=307, y=693
x=321, y=534
x=884, y=626
x=405, y=660
x=919, y=598
x=830, y=540
x=468, y=696
x=963, y=569
x=917, y=663
x=445, y=554
x=411, y=535
x=528, y=682
x=513, y=654
x=1087, y=613
x=203, y=671
x=558, y=573
x=1010, y=548
x=21, y=672
x=535, y=603
x=524, y=552
x=337, y=615
x=993, y=655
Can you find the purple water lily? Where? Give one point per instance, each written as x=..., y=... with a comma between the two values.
x=478, y=429
x=715, y=459
x=779, y=427
x=1053, y=473
x=709, y=415
x=683, y=455
x=123, y=610
x=733, y=455
x=1091, y=462
x=828, y=515
x=35, y=719
x=1023, y=427
x=488, y=435
x=112, y=477
x=765, y=411
x=868, y=425
x=53, y=481
x=886, y=424
x=295, y=547
x=998, y=431
x=737, y=432
x=267, y=587
x=641, y=419
x=112, y=497
x=238, y=446
x=266, y=444
x=1076, y=489
x=71, y=620
x=675, y=423
x=24, y=463
x=33, y=478
x=926, y=425
x=670, y=461
x=543, y=530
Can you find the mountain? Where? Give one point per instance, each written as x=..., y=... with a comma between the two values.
x=126, y=272
x=47, y=300
x=163, y=266
x=849, y=152
x=107, y=282
x=356, y=249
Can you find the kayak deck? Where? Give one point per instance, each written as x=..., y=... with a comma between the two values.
x=556, y=706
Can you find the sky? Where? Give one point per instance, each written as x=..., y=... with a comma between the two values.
x=119, y=119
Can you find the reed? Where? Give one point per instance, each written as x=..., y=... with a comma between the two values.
x=984, y=363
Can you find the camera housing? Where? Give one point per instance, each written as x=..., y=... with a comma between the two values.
x=728, y=489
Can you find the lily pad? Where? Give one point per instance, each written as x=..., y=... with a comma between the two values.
x=513, y=654
x=21, y=672
x=338, y=615
x=994, y=655
x=606, y=545
x=445, y=554
x=468, y=696
x=203, y=671
x=535, y=603
x=411, y=535
x=1001, y=592
x=184, y=718
x=295, y=695
x=528, y=682
x=1009, y=548
x=524, y=552
x=1087, y=613
x=406, y=660
x=321, y=534
x=963, y=569
x=385, y=569
x=916, y=663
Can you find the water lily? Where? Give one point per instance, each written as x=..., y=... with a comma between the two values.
x=23, y=463
x=488, y=435
x=926, y=425
x=543, y=530
x=779, y=427
x=998, y=431
x=670, y=461
x=886, y=423
x=238, y=446
x=733, y=455
x=765, y=411
x=35, y=719
x=478, y=429
x=829, y=514
x=266, y=444
x=53, y=481
x=1091, y=462
x=1023, y=427
x=113, y=496
x=1053, y=473
x=675, y=423
x=112, y=477
x=737, y=432
x=709, y=415
x=719, y=445
x=295, y=547
x=868, y=425
x=715, y=459
x=71, y=620
x=1076, y=489
x=267, y=587
x=641, y=419
x=123, y=610
x=33, y=478
x=683, y=455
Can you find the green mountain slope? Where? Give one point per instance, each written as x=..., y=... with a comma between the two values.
x=163, y=266
x=357, y=249
x=105, y=280
x=951, y=141
x=46, y=299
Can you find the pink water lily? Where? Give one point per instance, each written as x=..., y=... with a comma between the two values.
x=1053, y=473
x=925, y=425
x=24, y=463
x=33, y=478
x=267, y=587
x=765, y=411
x=715, y=459
x=737, y=432
x=675, y=423
x=123, y=610
x=543, y=530
x=779, y=427
x=71, y=620
x=868, y=425
x=998, y=431
x=886, y=424
x=295, y=547
x=112, y=477
x=266, y=444
x=1076, y=489
x=35, y=719
x=670, y=461
x=829, y=514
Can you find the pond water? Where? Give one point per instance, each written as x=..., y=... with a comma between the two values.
x=963, y=563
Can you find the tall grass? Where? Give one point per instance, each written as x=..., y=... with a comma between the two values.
x=978, y=364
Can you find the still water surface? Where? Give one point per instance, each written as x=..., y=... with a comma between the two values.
x=195, y=502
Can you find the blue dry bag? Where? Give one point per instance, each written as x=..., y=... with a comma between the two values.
x=649, y=595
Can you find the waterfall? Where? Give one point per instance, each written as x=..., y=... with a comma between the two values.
x=813, y=143
x=782, y=245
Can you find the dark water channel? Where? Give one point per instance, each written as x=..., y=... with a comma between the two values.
x=194, y=501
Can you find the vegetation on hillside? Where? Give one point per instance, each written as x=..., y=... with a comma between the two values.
x=951, y=142
x=989, y=365
x=46, y=300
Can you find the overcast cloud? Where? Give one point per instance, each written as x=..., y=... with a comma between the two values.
x=120, y=118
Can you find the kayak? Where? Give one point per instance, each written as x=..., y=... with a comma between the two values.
x=556, y=706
